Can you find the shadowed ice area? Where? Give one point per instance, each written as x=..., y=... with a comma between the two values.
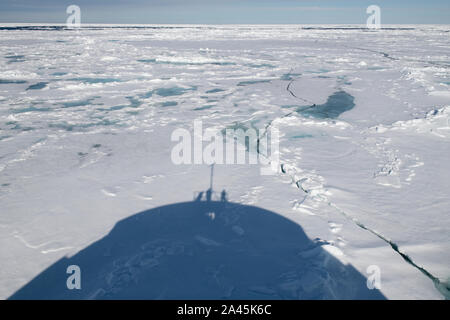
x=203, y=249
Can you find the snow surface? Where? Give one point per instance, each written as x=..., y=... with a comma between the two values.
x=85, y=124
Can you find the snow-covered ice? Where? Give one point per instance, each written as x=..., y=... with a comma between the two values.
x=86, y=120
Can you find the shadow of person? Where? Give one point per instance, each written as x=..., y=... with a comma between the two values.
x=209, y=193
x=223, y=196
x=203, y=250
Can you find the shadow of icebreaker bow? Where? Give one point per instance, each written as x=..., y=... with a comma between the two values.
x=203, y=250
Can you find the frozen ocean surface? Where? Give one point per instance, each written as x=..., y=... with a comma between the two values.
x=85, y=124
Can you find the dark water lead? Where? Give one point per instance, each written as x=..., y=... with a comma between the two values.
x=6, y=81
x=215, y=90
x=58, y=74
x=15, y=58
x=79, y=103
x=134, y=103
x=209, y=106
x=37, y=86
x=169, y=104
x=338, y=103
x=302, y=136
x=173, y=91
x=247, y=83
x=30, y=109
x=179, y=63
x=95, y=80
x=83, y=126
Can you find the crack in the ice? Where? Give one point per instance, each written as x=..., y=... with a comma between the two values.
x=384, y=54
x=288, y=88
x=388, y=56
x=441, y=286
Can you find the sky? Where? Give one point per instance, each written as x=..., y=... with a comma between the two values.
x=227, y=11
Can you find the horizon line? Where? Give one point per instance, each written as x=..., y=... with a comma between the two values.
x=219, y=24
